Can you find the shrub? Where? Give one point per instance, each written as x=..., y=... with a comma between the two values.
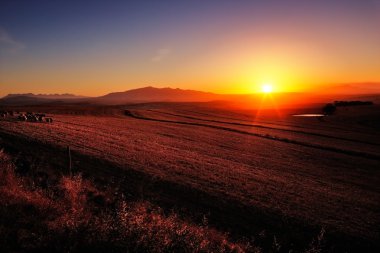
x=65, y=218
x=329, y=109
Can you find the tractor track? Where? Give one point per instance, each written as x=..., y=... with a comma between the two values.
x=268, y=127
x=265, y=136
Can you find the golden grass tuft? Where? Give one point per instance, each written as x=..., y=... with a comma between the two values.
x=65, y=218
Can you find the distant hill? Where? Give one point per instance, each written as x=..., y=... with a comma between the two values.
x=32, y=99
x=151, y=94
x=147, y=94
x=47, y=96
x=23, y=100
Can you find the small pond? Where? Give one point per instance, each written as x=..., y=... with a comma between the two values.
x=308, y=115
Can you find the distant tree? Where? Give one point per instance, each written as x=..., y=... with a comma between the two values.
x=329, y=109
x=352, y=103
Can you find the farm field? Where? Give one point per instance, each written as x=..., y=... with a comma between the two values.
x=270, y=172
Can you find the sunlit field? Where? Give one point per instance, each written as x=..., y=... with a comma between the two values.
x=287, y=177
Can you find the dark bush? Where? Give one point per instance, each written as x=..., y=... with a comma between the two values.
x=352, y=103
x=329, y=109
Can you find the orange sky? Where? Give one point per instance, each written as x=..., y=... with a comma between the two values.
x=221, y=47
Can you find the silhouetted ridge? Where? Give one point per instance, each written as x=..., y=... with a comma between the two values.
x=151, y=94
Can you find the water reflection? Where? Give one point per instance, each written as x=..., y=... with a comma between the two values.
x=308, y=115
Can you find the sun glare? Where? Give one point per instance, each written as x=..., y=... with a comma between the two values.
x=266, y=88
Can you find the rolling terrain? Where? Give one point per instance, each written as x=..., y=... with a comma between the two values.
x=249, y=171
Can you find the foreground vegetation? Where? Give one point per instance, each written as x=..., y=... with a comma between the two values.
x=71, y=214
x=74, y=216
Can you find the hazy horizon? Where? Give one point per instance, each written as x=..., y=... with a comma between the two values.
x=348, y=89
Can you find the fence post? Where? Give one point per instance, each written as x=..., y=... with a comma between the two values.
x=69, y=161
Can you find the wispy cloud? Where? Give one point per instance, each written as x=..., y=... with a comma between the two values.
x=8, y=44
x=161, y=54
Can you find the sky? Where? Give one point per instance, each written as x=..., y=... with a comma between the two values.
x=96, y=47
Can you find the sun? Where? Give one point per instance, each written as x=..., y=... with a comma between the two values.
x=266, y=88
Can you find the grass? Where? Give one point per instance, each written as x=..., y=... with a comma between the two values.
x=74, y=216
x=247, y=184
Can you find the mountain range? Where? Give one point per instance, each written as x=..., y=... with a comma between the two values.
x=146, y=94
x=152, y=94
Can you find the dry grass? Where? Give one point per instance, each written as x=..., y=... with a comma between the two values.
x=292, y=180
x=74, y=216
x=235, y=173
